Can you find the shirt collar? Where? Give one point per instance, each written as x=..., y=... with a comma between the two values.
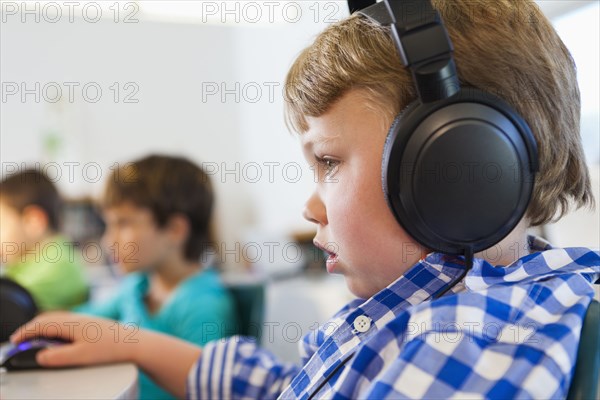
x=543, y=260
x=432, y=275
x=428, y=277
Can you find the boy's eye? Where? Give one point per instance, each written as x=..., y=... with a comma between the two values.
x=330, y=166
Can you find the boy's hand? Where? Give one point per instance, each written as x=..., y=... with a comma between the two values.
x=94, y=340
x=167, y=360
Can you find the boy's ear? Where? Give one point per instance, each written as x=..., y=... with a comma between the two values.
x=35, y=222
x=178, y=227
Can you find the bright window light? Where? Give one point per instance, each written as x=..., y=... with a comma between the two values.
x=580, y=32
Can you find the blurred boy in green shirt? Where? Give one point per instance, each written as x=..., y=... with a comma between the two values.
x=32, y=251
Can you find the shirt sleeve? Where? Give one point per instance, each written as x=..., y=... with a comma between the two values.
x=106, y=309
x=114, y=306
x=237, y=368
x=204, y=319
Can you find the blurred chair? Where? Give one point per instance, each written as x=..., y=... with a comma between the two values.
x=249, y=300
x=587, y=368
x=16, y=307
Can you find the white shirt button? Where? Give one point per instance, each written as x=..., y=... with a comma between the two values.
x=362, y=323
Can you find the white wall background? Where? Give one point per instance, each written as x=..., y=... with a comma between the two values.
x=172, y=64
x=171, y=58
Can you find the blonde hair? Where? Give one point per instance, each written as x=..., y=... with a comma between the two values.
x=512, y=52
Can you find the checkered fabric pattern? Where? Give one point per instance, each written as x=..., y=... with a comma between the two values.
x=502, y=332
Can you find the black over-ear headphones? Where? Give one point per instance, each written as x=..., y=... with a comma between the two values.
x=458, y=164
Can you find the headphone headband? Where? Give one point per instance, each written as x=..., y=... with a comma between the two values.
x=357, y=5
x=423, y=43
x=447, y=129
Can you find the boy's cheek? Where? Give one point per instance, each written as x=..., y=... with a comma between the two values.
x=11, y=247
x=14, y=252
x=9, y=230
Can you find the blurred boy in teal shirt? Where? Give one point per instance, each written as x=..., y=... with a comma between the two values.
x=158, y=212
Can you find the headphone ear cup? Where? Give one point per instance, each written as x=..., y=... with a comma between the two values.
x=459, y=173
x=389, y=142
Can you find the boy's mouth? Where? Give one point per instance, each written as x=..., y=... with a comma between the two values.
x=332, y=258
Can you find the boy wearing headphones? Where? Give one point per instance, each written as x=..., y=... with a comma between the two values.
x=501, y=323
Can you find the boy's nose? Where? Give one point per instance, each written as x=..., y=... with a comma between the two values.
x=314, y=210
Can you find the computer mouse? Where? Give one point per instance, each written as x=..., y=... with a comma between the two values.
x=22, y=356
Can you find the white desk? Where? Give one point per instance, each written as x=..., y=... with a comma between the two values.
x=116, y=381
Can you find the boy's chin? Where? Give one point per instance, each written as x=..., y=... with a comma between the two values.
x=129, y=268
x=358, y=288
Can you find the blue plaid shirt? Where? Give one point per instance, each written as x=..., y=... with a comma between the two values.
x=500, y=333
